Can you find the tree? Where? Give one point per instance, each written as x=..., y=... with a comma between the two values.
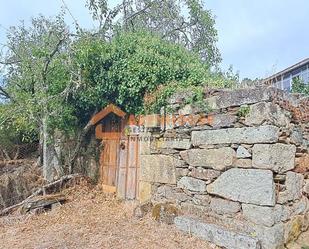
x=185, y=22
x=132, y=66
x=3, y=93
x=37, y=81
x=14, y=132
x=55, y=81
x=299, y=86
x=247, y=82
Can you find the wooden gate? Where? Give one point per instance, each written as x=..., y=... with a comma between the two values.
x=128, y=173
x=110, y=152
x=119, y=159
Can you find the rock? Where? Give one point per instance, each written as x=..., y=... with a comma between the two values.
x=217, y=159
x=179, y=97
x=216, y=234
x=293, y=229
x=245, y=185
x=166, y=192
x=145, y=191
x=221, y=206
x=179, y=144
x=297, y=136
x=266, y=112
x=150, y=121
x=223, y=121
x=186, y=110
x=306, y=187
x=302, y=163
x=294, y=184
x=142, y=210
x=191, y=209
x=270, y=237
x=242, y=152
x=164, y=151
x=182, y=172
x=145, y=143
x=242, y=163
x=260, y=215
x=247, y=135
x=192, y=184
x=277, y=157
x=159, y=168
x=202, y=200
x=165, y=213
x=205, y=174
x=238, y=97
x=299, y=207
x=305, y=226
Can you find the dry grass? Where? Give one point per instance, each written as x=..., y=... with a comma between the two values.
x=91, y=220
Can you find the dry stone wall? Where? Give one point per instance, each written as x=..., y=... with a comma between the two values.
x=238, y=175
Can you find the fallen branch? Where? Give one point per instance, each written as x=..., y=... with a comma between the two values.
x=40, y=191
x=42, y=202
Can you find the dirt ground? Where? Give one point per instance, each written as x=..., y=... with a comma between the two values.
x=91, y=220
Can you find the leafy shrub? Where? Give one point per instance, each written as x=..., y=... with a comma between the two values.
x=243, y=111
x=299, y=86
x=138, y=72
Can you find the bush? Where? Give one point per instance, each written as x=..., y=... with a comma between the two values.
x=299, y=86
x=138, y=65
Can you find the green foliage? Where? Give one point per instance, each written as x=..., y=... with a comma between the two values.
x=66, y=81
x=134, y=66
x=14, y=129
x=299, y=86
x=185, y=22
x=55, y=80
x=38, y=74
x=243, y=111
x=197, y=98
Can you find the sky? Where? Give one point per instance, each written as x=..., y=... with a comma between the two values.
x=258, y=37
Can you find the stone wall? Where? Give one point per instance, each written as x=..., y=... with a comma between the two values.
x=87, y=162
x=237, y=175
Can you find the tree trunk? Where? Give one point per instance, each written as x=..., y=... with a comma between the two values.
x=6, y=155
x=41, y=139
x=16, y=153
x=51, y=162
x=79, y=142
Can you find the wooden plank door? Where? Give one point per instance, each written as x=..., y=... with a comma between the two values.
x=132, y=168
x=110, y=153
x=119, y=159
x=128, y=168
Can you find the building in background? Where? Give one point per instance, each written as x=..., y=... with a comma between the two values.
x=283, y=80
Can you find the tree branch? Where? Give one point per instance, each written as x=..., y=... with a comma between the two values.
x=80, y=140
x=132, y=16
x=7, y=63
x=40, y=191
x=52, y=54
x=4, y=93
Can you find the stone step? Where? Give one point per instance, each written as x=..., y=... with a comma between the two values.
x=216, y=234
